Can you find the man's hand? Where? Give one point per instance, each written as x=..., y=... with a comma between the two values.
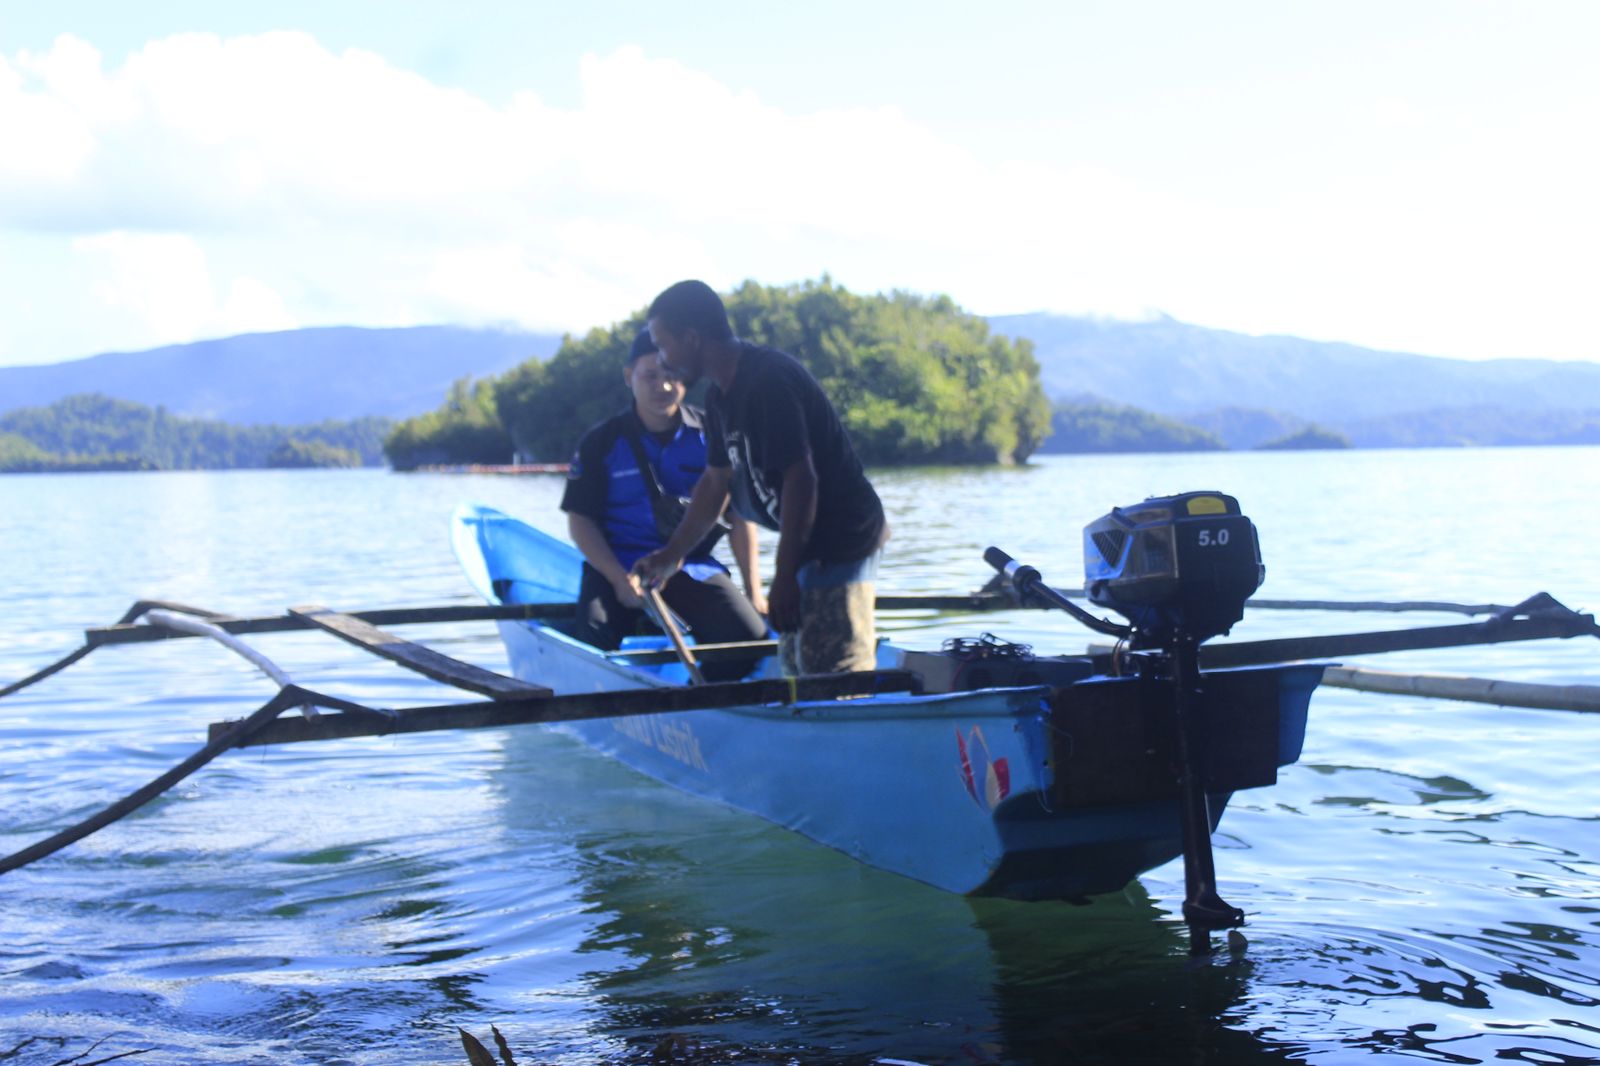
x=654, y=569
x=783, y=605
x=758, y=599
x=797, y=504
x=629, y=592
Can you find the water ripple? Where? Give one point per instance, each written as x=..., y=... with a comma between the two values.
x=1425, y=883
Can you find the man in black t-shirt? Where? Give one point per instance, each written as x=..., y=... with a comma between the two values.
x=776, y=445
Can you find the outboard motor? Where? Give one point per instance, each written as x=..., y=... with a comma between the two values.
x=1179, y=568
x=1173, y=564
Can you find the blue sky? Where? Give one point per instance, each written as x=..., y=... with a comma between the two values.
x=1415, y=176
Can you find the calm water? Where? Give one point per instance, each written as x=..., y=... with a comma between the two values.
x=1426, y=882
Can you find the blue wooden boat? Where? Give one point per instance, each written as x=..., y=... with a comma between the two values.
x=1030, y=778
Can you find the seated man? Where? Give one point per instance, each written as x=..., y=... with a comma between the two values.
x=654, y=449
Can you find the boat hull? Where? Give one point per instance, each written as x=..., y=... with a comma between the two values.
x=960, y=790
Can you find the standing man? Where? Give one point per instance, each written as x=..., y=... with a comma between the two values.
x=626, y=478
x=776, y=445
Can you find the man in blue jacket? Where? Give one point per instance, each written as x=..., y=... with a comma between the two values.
x=625, y=477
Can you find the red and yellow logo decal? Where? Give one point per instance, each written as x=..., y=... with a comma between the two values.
x=987, y=779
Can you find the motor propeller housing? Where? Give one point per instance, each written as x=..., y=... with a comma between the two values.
x=1171, y=564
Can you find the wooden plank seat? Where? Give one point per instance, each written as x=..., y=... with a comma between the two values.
x=415, y=657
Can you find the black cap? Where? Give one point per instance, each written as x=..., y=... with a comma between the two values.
x=642, y=346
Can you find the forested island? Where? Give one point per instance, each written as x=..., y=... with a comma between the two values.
x=1312, y=438
x=915, y=379
x=1089, y=426
x=92, y=432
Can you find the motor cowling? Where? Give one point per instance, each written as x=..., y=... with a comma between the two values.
x=1174, y=563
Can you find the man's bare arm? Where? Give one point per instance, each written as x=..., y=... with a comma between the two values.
x=797, y=515
x=591, y=541
x=706, y=504
x=745, y=544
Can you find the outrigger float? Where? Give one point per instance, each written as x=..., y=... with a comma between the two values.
x=980, y=768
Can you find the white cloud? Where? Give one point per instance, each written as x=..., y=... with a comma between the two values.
x=252, y=306
x=334, y=187
x=274, y=130
x=164, y=283
x=1387, y=112
x=159, y=278
x=47, y=141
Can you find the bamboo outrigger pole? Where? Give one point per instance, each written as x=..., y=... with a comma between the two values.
x=1546, y=618
x=125, y=632
x=1578, y=699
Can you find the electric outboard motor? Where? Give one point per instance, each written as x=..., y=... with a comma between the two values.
x=1173, y=564
x=1179, y=568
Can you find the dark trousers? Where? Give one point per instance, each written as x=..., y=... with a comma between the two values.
x=714, y=609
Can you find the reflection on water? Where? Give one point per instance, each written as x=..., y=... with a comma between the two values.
x=715, y=932
x=1426, y=883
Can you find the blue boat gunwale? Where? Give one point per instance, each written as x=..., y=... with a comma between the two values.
x=853, y=709
x=805, y=709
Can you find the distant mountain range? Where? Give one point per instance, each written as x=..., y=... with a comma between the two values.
x=1242, y=389
x=295, y=377
x=1176, y=369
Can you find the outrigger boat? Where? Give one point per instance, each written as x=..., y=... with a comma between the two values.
x=978, y=768
x=1001, y=773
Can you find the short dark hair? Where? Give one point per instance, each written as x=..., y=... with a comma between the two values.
x=692, y=305
x=642, y=346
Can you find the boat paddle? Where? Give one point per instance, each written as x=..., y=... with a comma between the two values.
x=663, y=618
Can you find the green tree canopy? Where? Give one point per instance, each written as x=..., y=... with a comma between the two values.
x=545, y=407
x=1311, y=438
x=915, y=379
x=306, y=454
x=15, y=450
x=1104, y=427
x=466, y=429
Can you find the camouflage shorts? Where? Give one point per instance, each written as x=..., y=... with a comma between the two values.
x=836, y=633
